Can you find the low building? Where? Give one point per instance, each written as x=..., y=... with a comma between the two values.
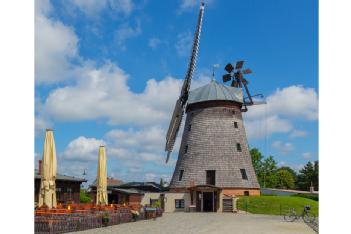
x=67, y=187
x=130, y=193
x=111, y=182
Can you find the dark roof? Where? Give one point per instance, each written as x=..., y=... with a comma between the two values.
x=110, y=182
x=143, y=186
x=128, y=191
x=215, y=91
x=60, y=177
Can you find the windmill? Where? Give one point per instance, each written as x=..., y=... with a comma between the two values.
x=180, y=105
x=214, y=161
x=236, y=75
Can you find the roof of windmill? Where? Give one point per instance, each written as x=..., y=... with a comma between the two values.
x=215, y=91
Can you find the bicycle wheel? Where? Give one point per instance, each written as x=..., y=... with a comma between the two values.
x=308, y=218
x=290, y=217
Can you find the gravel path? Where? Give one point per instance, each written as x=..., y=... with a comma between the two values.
x=188, y=223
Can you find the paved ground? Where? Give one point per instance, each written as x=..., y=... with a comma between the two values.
x=188, y=223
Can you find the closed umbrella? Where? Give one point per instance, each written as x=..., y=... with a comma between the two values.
x=101, y=179
x=47, y=193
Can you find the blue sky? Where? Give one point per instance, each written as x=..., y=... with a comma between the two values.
x=109, y=72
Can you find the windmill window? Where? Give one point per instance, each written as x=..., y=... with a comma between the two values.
x=211, y=177
x=238, y=147
x=181, y=175
x=186, y=149
x=189, y=127
x=243, y=174
x=235, y=124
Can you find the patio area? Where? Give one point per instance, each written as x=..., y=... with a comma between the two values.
x=210, y=223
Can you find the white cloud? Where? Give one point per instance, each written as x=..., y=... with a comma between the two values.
x=154, y=42
x=293, y=101
x=42, y=7
x=295, y=167
x=55, y=46
x=283, y=148
x=184, y=43
x=283, y=106
x=155, y=177
x=125, y=32
x=104, y=93
x=138, y=154
x=307, y=155
x=94, y=7
x=264, y=127
x=41, y=123
x=139, y=146
x=150, y=139
x=298, y=133
x=83, y=149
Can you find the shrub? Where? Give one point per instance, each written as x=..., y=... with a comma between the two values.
x=156, y=204
x=84, y=197
x=314, y=197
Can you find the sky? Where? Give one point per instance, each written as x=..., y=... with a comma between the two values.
x=108, y=72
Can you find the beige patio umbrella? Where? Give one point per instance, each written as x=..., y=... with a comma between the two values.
x=101, y=179
x=47, y=192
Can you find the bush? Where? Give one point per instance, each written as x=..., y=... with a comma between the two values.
x=308, y=196
x=84, y=197
x=156, y=204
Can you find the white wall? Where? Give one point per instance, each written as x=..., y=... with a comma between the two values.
x=147, y=196
x=170, y=201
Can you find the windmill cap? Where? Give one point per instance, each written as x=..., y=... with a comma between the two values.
x=215, y=91
x=49, y=130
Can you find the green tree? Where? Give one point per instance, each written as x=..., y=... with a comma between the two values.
x=308, y=175
x=257, y=163
x=256, y=158
x=285, y=179
x=293, y=172
x=270, y=178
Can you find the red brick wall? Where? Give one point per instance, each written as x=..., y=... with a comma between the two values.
x=240, y=192
x=64, y=195
x=134, y=199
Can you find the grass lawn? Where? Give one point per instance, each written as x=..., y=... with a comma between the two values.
x=275, y=205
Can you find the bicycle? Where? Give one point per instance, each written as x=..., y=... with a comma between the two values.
x=306, y=215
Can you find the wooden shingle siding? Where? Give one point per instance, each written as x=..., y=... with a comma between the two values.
x=212, y=146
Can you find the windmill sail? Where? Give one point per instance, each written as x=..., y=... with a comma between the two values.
x=179, y=108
